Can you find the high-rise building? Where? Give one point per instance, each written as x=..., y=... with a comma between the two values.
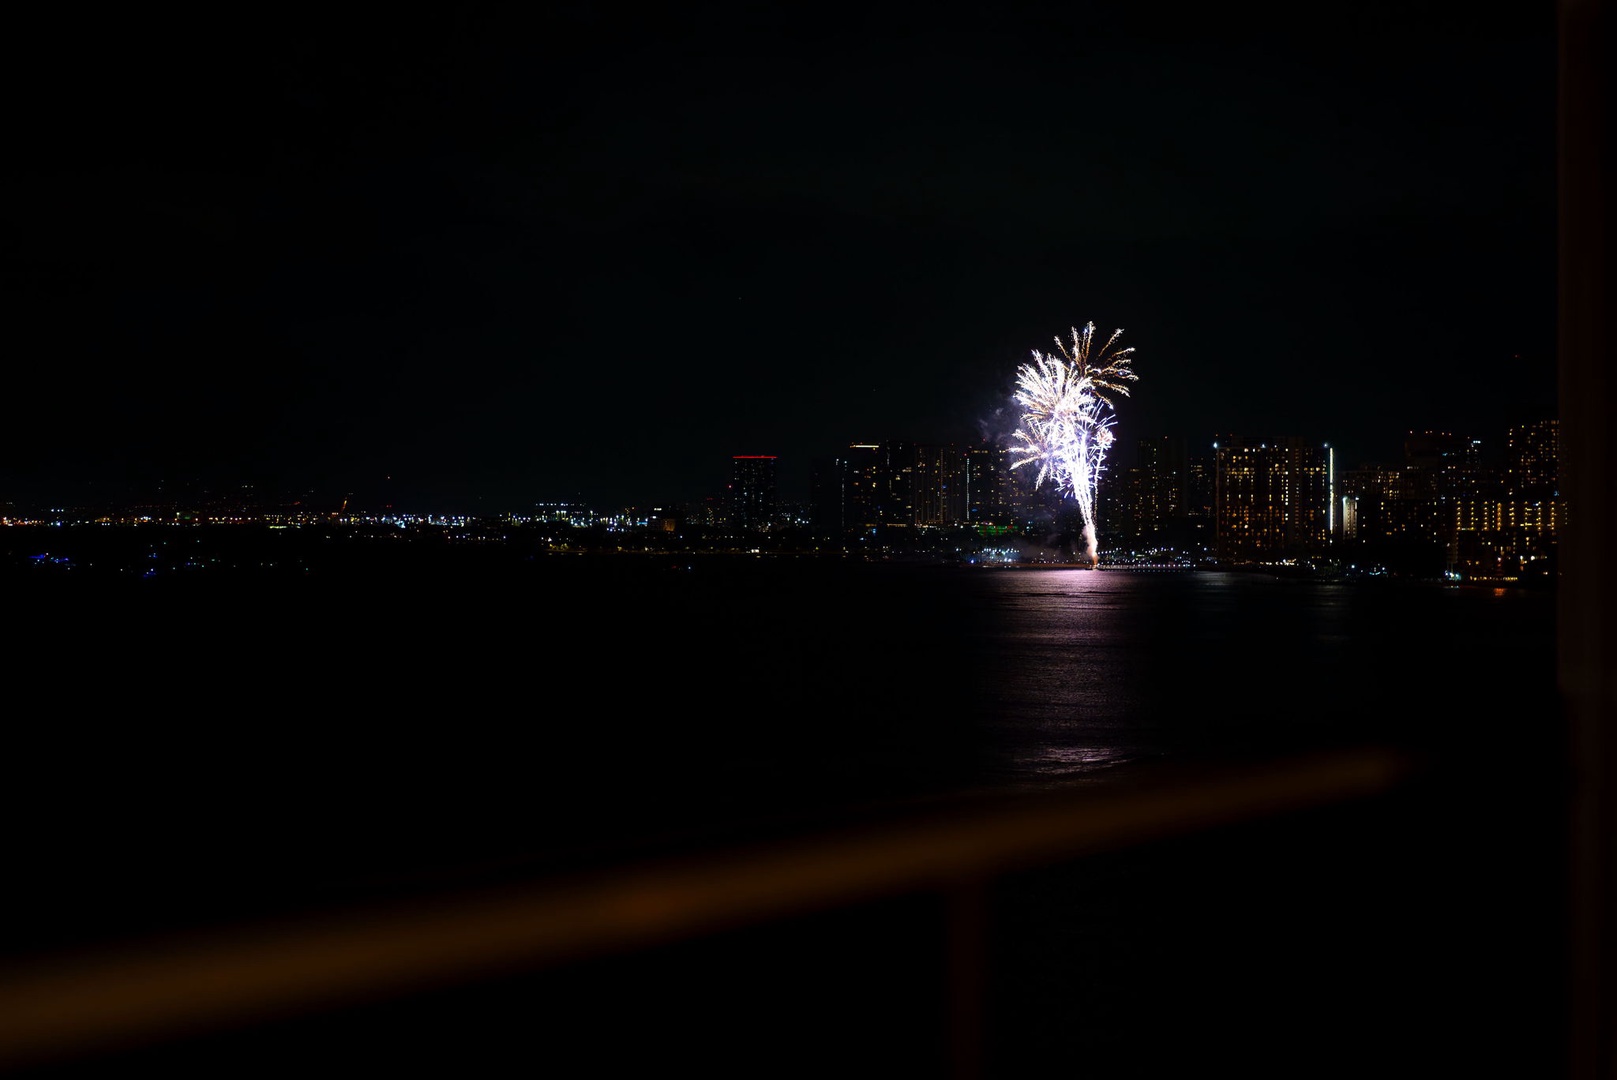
x=1532, y=511
x=900, y=484
x=825, y=496
x=1507, y=529
x=895, y=487
x=753, y=497
x=1272, y=498
x=1149, y=498
x=1443, y=485
x=1532, y=458
x=988, y=484
x=1367, y=500
x=862, y=480
x=939, y=489
x=1200, y=499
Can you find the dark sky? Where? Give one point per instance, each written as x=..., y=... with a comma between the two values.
x=505, y=255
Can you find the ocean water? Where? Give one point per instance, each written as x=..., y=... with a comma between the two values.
x=373, y=715
x=212, y=749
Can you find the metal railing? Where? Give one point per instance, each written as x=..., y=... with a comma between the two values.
x=181, y=986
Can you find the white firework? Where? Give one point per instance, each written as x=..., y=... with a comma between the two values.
x=1067, y=418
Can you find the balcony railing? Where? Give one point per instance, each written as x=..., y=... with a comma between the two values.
x=112, y=1000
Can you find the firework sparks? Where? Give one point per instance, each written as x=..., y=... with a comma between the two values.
x=1107, y=370
x=1067, y=417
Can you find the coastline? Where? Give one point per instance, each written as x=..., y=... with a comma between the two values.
x=104, y=553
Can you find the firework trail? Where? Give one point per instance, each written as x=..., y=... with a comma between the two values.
x=1067, y=416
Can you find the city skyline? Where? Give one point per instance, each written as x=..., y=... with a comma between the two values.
x=1444, y=511
x=609, y=253
x=194, y=492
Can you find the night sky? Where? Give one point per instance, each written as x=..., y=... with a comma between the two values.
x=587, y=251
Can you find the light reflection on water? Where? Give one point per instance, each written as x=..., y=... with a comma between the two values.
x=655, y=701
x=1083, y=671
x=1052, y=763
x=646, y=692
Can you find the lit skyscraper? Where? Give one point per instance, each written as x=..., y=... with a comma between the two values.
x=1272, y=498
x=863, y=483
x=1532, y=457
x=753, y=498
x=988, y=486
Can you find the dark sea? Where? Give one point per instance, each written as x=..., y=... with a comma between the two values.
x=348, y=727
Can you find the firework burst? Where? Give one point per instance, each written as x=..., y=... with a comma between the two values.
x=1067, y=416
x=1108, y=371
